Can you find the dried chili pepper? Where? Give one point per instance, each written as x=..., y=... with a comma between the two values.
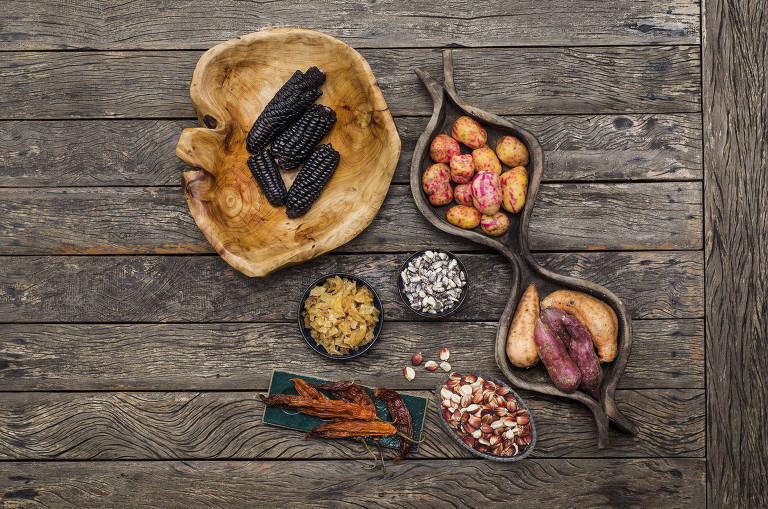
x=349, y=391
x=328, y=408
x=349, y=428
x=307, y=390
x=399, y=412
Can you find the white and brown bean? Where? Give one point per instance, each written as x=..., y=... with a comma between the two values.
x=433, y=282
x=486, y=416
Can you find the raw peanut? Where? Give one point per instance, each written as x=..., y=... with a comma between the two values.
x=445, y=354
x=443, y=195
x=486, y=192
x=522, y=419
x=431, y=366
x=494, y=224
x=409, y=373
x=469, y=132
x=469, y=440
x=463, y=194
x=462, y=168
x=442, y=148
x=514, y=186
x=447, y=367
x=463, y=217
x=434, y=177
x=512, y=151
x=485, y=159
x=445, y=393
x=416, y=359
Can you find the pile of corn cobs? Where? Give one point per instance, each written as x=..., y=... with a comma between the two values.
x=291, y=125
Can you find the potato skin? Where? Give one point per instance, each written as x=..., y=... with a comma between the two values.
x=582, y=351
x=463, y=216
x=463, y=194
x=442, y=148
x=512, y=151
x=494, y=224
x=469, y=132
x=553, y=354
x=514, y=186
x=442, y=196
x=485, y=160
x=521, y=346
x=597, y=317
x=434, y=177
x=486, y=192
x=462, y=168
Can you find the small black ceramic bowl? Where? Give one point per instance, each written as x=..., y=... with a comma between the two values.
x=307, y=335
x=528, y=449
x=446, y=312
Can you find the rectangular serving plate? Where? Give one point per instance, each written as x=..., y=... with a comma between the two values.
x=280, y=383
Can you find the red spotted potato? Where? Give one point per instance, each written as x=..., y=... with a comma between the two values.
x=514, y=185
x=434, y=177
x=512, y=151
x=469, y=132
x=486, y=192
x=494, y=224
x=442, y=148
x=463, y=216
x=462, y=168
x=485, y=160
x=443, y=195
x=463, y=194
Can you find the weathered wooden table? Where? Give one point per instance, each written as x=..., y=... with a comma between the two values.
x=131, y=356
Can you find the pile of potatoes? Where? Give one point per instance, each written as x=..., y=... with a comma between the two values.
x=482, y=186
x=570, y=332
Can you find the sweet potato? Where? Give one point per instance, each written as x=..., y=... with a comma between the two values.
x=596, y=316
x=583, y=354
x=521, y=347
x=552, y=352
x=553, y=317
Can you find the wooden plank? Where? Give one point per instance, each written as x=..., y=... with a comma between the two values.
x=736, y=175
x=52, y=24
x=205, y=289
x=137, y=220
x=155, y=84
x=228, y=425
x=228, y=356
x=553, y=483
x=142, y=152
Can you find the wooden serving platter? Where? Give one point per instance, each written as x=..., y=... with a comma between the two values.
x=232, y=83
x=448, y=106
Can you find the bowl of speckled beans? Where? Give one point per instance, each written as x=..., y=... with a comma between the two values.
x=433, y=283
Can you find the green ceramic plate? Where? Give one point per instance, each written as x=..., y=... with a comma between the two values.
x=291, y=419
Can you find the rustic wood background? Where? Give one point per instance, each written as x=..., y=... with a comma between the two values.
x=131, y=356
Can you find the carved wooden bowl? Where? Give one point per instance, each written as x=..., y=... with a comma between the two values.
x=232, y=83
x=448, y=106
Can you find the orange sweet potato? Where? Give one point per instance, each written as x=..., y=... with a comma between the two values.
x=521, y=347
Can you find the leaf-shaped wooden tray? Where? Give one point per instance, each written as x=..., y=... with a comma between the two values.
x=448, y=106
x=232, y=83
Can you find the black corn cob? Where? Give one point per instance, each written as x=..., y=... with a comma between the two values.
x=311, y=180
x=293, y=145
x=288, y=104
x=266, y=174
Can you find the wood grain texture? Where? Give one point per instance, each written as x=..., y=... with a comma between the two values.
x=155, y=84
x=229, y=356
x=735, y=56
x=228, y=425
x=204, y=289
x=53, y=24
x=141, y=152
x=553, y=483
x=128, y=220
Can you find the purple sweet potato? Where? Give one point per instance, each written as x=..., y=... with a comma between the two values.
x=552, y=352
x=553, y=318
x=582, y=351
